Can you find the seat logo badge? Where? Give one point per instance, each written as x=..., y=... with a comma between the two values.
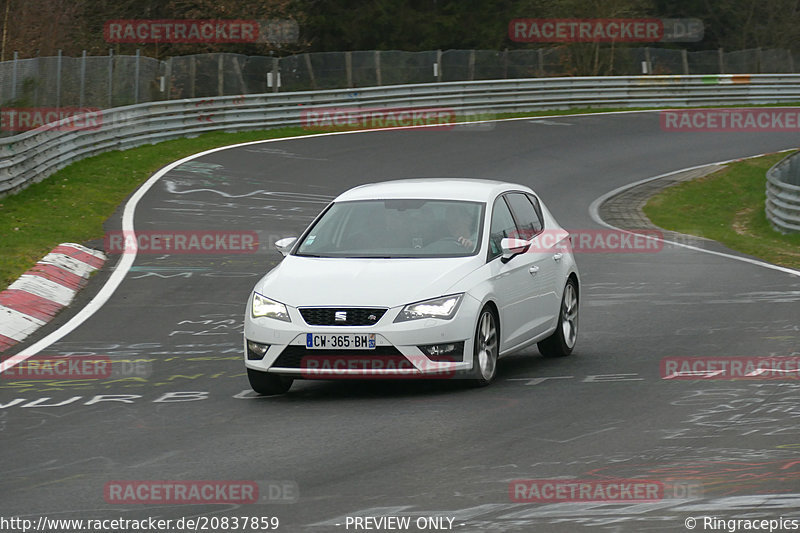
x=340, y=316
x=372, y=318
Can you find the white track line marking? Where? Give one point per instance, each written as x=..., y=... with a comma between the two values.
x=126, y=261
x=594, y=212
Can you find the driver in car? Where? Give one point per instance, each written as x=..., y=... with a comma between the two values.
x=461, y=226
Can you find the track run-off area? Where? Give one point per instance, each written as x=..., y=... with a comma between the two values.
x=180, y=408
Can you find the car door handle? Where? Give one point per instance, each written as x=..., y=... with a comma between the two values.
x=557, y=256
x=533, y=270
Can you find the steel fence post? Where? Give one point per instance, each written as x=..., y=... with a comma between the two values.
x=220, y=74
x=58, y=80
x=348, y=66
x=82, y=97
x=14, y=76
x=136, y=76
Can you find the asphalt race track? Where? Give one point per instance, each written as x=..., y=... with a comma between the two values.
x=434, y=448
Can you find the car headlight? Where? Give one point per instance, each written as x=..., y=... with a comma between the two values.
x=444, y=308
x=263, y=306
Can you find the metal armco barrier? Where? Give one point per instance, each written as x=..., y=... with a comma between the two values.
x=783, y=195
x=33, y=156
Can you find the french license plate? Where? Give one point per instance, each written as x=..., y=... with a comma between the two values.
x=345, y=341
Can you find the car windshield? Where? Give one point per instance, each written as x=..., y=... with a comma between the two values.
x=396, y=229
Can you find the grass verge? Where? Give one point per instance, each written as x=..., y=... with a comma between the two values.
x=728, y=206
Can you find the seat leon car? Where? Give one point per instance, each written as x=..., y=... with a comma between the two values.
x=414, y=278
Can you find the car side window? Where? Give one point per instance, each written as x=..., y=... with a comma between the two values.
x=528, y=222
x=535, y=201
x=502, y=226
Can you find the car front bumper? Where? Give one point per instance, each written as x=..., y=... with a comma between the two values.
x=397, y=352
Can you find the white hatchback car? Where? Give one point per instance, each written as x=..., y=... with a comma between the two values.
x=414, y=278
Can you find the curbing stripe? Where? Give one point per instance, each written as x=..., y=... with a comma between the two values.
x=6, y=342
x=91, y=251
x=80, y=253
x=45, y=288
x=30, y=304
x=16, y=325
x=69, y=264
x=41, y=292
x=58, y=275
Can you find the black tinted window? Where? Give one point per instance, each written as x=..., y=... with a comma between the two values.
x=502, y=226
x=528, y=222
x=537, y=207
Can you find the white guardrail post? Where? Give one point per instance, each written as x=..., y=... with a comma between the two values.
x=783, y=194
x=34, y=155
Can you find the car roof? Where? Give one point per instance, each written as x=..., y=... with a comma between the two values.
x=469, y=189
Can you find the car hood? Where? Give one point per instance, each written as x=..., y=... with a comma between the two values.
x=309, y=281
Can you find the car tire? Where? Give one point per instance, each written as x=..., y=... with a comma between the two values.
x=268, y=384
x=486, y=348
x=562, y=341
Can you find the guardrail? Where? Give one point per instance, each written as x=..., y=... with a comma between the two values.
x=32, y=156
x=783, y=194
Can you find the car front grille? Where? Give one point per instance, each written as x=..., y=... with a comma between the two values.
x=341, y=316
x=292, y=356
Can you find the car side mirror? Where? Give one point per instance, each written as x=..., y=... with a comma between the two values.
x=512, y=248
x=284, y=245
